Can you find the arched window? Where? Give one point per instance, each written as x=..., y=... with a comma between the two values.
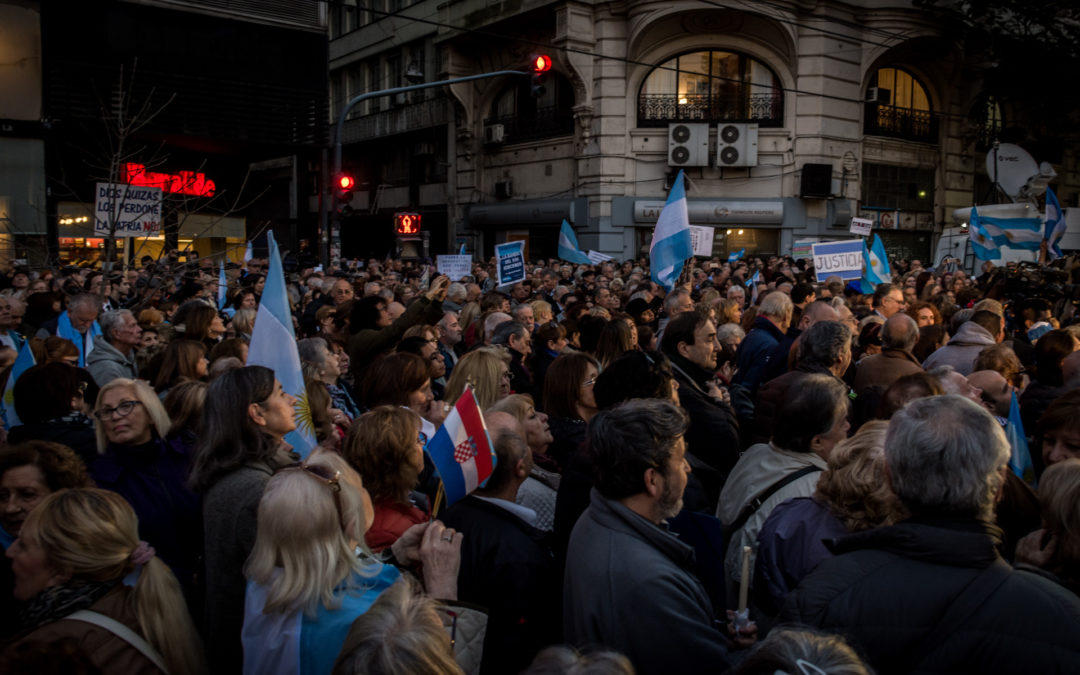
x=711, y=86
x=898, y=106
x=525, y=117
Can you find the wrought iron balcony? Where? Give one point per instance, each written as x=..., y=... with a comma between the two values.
x=921, y=126
x=656, y=110
x=547, y=122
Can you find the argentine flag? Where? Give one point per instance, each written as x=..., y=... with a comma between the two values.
x=222, y=286
x=982, y=244
x=569, y=250
x=1055, y=226
x=24, y=360
x=273, y=344
x=877, y=263
x=248, y=255
x=671, y=245
x=1020, y=233
x=732, y=257
x=752, y=283
x=1020, y=456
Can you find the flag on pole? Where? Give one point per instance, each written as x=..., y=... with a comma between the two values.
x=982, y=244
x=273, y=344
x=248, y=255
x=876, y=262
x=569, y=249
x=736, y=255
x=24, y=360
x=752, y=283
x=461, y=449
x=671, y=244
x=1055, y=225
x=1020, y=457
x=222, y=286
x=462, y=251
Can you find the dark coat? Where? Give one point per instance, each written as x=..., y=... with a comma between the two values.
x=368, y=343
x=630, y=586
x=521, y=380
x=881, y=370
x=75, y=434
x=507, y=567
x=887, y=589
x=754, y=353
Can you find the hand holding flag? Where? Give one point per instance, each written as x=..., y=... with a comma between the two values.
x=461, y=449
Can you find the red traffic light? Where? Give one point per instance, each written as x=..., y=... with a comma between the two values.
x=346, y=182
x=541, y=63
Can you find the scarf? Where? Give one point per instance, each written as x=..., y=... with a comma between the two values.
x=56, y=602
x=65, y=330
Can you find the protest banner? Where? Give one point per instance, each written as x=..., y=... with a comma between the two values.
x=838, y=258
x=456, y=267
x=510, y=262
x=134, y=210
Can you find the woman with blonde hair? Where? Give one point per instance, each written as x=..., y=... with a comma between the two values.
x=85, y=576
x=542, y=484
x=487, y=369
x=852, y=495
x=1054, y=550
x=310, y=575
x=542, y=312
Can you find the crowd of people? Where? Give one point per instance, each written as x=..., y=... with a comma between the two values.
x=845, y=469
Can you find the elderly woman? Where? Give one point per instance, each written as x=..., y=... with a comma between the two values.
x=323, y=366
x=309, y=574
x=246, y=418
x=852, y=495
x=518, y=341
x=386, y=447
x=49, y=403
x=540, y=488
x=150, y=472
x=79, y=551
x=30, y=472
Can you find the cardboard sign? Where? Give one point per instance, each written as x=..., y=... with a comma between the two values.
x=134, y=210
x=838, y=258
x=861, y=226
x=510, y=262
x=457, y=267
x=701, y=239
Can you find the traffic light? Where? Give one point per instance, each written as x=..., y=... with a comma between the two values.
x=540, y=65
x=407, y=223
x=343, y=195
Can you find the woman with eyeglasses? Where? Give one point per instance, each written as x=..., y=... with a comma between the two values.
x=151, y=473
x=569, y=401
x=386, y=447
x=310, y=574
x=242, y=443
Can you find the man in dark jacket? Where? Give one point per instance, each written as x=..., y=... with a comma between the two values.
x=506, y=565
x=931, y=594
x=772, y=321
x=630, y=583
x=898, y=337
x=712, y=441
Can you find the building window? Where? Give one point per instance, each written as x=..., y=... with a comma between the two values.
x=898, y=106
x=887, y=187
x=711, y=86
x=525, y=117
x=987, y=119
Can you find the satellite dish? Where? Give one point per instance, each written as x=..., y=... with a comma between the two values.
x=1011, y=166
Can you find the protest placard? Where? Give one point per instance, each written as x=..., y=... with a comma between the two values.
x=838, y=258
x=510, y=262
x=456, y=267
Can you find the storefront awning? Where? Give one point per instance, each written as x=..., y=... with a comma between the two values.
x=534, y=212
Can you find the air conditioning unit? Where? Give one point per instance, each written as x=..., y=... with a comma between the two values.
x=688, y=144
x=736, y=145
x=494, y=133
x=879, y=95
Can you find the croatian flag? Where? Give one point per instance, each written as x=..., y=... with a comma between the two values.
x=1055, y=225
x=461, y=449
x=222, y=286
x=671, y=244
x=24, y=360
x=569, y=250
x=273, y=344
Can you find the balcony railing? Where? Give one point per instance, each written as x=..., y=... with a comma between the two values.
x=547, y=122
x=655, y=110
x=921, y=126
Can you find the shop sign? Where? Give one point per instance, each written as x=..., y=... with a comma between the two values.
x=182, y=183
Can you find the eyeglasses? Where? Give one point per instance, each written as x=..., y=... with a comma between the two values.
x=589, y=382
x=122, y=410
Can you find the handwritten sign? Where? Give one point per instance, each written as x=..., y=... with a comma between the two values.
x=701, y=239
x=133, y=210
x=840, y=258
x=457, y=267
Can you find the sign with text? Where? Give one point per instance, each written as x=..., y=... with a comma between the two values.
x=861, y=226
x=510, y=262
x=134, y=210
x=838, y=258
x=803, y=249
x=701, y=239
x=457, y=267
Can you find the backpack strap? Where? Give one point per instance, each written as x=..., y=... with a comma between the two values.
x=755, y=503
x=123, y=632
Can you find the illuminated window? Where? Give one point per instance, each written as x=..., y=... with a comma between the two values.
x=897, y=105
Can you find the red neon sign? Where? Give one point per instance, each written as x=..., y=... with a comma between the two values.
x=183, y=183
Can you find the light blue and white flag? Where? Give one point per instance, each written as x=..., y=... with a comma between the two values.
x=1020, y=457
x=273, y=344
x=248, y=255
x=1020, y=233
x=569, y=249
x=222, y=286
x=462, y=251
x=982, y=244
x=752, y=283
x=732, y=257
x=1055, y=226
x=24, y=360
x=671, y=244
x=877, y=263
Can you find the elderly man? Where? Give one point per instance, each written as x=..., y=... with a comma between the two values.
x=77, y=323
x=772, y=321
x=984, y=329
x=781, y=357
x=931, y=594
x=456, y=297
x=449, y=330
x=8, y=336
x=114, y=356
x=523, y=313
x=898, y=338
x=630, y=584
x=888, y=299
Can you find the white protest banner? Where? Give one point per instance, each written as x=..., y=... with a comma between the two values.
x=510, y=262
x=456, y=267
x=597, y=257
x=133, y=209
x=839, y=258
x=861, y=226
x=701, y=239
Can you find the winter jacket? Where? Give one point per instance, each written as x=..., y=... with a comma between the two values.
x=368, y=343
x=630, y=586
x=888, y=588
x=391, y=521
x=771, y=397
x=962, y=350
x=106, y=363
x=881, y=370
x=73, y=431
x=754, y=353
